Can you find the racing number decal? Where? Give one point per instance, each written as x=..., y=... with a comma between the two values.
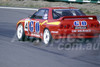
x=77, y=23
x=83, y=23
x=37, y=27
x=26, y=25
x=31, y=26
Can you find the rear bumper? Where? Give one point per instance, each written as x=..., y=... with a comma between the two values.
x=72, y=33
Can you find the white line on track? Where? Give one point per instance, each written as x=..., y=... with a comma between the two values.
x=18, y=8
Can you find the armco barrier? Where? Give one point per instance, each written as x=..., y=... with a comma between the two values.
x=91, y=1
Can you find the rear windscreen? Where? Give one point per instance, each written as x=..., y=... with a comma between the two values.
x=57, y=13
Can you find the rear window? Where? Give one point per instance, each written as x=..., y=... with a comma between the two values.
x=57, y=13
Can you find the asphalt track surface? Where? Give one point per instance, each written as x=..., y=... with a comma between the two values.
x=14, y=53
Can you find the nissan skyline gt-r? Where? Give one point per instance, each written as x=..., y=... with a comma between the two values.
x=57, y=23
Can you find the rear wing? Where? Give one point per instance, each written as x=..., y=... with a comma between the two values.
x=78, y=17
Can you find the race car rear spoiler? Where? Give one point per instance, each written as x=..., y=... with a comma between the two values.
x=78, y=17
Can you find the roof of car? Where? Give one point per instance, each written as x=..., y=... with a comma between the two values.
x=58, y=8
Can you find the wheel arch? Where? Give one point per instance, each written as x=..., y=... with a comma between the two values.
x=48, y=29
x=45, y=28
x=19, y=24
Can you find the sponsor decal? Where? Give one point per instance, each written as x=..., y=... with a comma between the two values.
x=50, y=23
x=81, y=30
x=41, y=34
x=80, y=27
x=37, y=35
x=73, y=30
x=54, y=23
x=54, y=31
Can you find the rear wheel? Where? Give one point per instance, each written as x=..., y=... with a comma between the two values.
x=47, y=37
x=20, y=33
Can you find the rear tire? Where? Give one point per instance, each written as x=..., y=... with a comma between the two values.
x=20, y=33
x=47, y=37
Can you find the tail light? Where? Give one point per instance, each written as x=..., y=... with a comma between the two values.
x=97, y=25
x=61, y=26
x=64, y=26
x=92, y=25
x=68, y=26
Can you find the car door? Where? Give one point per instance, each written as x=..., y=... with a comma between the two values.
x=39, y=17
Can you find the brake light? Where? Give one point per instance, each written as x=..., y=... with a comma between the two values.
x=97, y=25
x=61, y=26
x=68, y=26
x=92, y=25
